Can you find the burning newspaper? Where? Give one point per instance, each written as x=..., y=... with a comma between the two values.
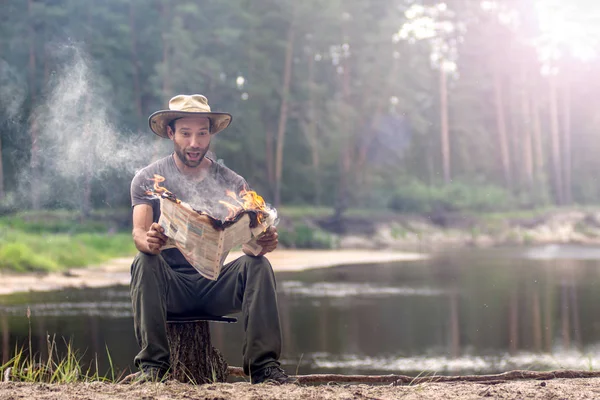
x=204, y=240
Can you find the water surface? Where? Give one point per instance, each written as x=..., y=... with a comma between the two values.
x=468, y=311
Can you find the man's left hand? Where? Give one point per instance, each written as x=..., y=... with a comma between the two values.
x=268, y=240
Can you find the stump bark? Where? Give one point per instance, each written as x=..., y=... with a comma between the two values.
x=193, y=357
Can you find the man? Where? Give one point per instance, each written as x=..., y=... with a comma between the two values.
x=164, y=282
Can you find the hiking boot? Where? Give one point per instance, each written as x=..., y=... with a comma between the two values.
x=146, y=374
x=274, y=376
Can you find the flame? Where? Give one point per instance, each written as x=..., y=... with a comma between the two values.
x=161, y=190
x=246, y=200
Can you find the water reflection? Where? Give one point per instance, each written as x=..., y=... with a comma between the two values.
x=465, y=312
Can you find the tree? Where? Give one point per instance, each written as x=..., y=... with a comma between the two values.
x=435, y=24
x=283, y=112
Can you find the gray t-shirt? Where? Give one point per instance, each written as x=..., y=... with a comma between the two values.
x=202, y=195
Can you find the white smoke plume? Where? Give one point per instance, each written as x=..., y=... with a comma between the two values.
x=77, y=143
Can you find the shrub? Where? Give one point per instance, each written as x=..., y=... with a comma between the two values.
x=21, y=258
x=24, y=251
x=415, y=197
x=306, y=236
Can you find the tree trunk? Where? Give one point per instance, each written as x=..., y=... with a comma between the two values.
x=342, y=197
x=526, y=129
x=283, y=111
x=270, y=154
x=33, y=129
x=193, y=358
x=567, y=143
x=555, y=144
x=166, y=82
x=538, y=145
x=310, y=130
x=444, y=124
x=137, y=97
x=501, y=124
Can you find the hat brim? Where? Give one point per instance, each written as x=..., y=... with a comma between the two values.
x=160, y=120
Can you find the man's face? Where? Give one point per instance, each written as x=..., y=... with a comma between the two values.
x=191, y=139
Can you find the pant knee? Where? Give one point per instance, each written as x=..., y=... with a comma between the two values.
x=257, y=263
x=145, y=263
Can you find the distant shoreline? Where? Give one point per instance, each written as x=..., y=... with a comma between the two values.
x=116, y=272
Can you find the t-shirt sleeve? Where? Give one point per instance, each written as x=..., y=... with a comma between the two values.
x=140, y=184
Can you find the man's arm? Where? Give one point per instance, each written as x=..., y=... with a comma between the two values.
x=268, y=241
x=148, y=236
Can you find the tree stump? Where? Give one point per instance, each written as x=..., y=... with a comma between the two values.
x=193, y=357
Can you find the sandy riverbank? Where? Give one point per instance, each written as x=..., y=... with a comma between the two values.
x=116, y=272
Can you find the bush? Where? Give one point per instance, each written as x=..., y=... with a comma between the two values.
x=25, y=251
x=304, y=236
x=415, y=197
x=67, y=221
x=21, y=258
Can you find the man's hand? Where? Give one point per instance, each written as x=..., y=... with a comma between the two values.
x=155, y=238
x=268, y=241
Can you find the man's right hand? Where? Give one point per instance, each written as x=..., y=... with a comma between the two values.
x=155, y=238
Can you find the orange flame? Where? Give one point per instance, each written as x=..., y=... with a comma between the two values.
x=247, y=200
x=160, y=190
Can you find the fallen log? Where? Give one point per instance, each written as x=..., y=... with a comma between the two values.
x=411, y=380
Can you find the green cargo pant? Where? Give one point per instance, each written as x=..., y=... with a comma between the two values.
x=246, y=284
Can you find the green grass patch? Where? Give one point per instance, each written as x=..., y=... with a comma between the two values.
x=53, y=240
x=302, y=212
x=68, y=221
x=22, y=251
x=304, y=236
x=59, y=367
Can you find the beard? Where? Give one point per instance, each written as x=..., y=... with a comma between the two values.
x=189, y=160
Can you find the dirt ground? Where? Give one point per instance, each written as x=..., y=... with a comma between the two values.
x=583, y=388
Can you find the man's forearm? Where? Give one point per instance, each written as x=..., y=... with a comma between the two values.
x=139, y=239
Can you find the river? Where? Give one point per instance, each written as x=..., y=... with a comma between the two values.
x=463, y=311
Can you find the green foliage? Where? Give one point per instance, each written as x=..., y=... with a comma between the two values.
x=350, y=71
x=28, y=244
x=68, y=221
x=305, y=236
x=415, y=197
x=20, y=257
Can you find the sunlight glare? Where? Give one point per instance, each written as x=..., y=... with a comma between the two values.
x=572, y=27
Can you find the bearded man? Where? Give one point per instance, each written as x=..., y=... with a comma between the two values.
x=164, y=282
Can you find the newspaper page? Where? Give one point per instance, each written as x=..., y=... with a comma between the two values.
x=203, y=246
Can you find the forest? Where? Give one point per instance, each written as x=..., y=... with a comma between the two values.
x=413, y=106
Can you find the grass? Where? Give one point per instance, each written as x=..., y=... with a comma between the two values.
x=68, y=368
x=56, y=240
x=24, y=367
x=22, y=252
x=299, y=212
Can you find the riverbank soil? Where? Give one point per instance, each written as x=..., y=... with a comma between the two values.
x=584, y=388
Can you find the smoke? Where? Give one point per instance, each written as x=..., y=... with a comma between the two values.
x=77, y=146
x=12, y=92
x=75, y=142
